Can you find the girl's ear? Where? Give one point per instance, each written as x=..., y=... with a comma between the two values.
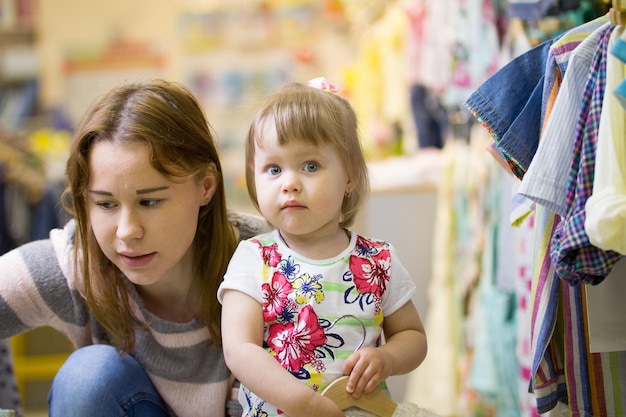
x=209, y=184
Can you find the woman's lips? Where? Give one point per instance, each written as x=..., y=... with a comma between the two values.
x=137, y=261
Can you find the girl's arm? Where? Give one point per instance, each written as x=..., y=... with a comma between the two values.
x=242, y=335
x=403, y=351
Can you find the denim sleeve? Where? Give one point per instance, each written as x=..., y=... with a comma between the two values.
x=509, y=105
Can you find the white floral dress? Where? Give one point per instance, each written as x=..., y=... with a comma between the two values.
x=317, y=312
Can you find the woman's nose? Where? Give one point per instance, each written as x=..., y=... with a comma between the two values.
x=129, y=226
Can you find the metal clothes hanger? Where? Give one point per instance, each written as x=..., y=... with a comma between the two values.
x=376, y=402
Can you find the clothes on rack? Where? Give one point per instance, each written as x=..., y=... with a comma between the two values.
x=478, y=363
x=619, y=50
x=533, y=10
x=575, y=259
x=606, y=207
x=514, y=115
x=29, y=208
x=430, y=117
x=546, y=182
x=555, y=163
x=453, y=45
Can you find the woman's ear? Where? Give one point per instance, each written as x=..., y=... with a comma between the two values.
x=209, y=184
x=348, y=191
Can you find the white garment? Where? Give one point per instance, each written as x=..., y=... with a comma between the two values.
x=314, y=294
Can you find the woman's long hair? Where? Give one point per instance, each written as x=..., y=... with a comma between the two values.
x=168, y=119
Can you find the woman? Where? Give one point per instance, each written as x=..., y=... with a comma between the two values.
x=132, y=279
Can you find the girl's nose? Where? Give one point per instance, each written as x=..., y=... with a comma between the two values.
x=291, y=183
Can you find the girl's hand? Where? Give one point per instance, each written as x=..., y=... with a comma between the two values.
x=404, y=349
x=366, y=368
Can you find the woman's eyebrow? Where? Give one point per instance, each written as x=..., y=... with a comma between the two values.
x=151, y=190
x=141, y=191
x=100, y=192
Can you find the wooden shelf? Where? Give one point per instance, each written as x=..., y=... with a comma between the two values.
x=17, y=35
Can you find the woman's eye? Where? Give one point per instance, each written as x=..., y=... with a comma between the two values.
x=150, y=203
x=273, y=170
x=105, y=205
x=311, y=167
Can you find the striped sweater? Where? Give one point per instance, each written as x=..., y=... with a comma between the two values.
x=39, y=288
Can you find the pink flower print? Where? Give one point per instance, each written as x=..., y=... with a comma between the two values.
x=275, y=296
x=366, y=248
x=295, y=345
x=371, y=274
x=461, y=76
x=269, y=253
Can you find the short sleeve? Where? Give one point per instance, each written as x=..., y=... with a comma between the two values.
x=401, y=286
x=244, y=272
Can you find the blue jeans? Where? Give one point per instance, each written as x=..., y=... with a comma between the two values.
x=96, y=381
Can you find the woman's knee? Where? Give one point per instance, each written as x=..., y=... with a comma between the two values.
x=95, y=365
x=98, y=377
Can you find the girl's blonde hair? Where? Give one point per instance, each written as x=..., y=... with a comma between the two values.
x=167, y=118
x=300, y=112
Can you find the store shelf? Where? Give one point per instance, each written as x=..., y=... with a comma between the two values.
x=37, y=356
x=18, y=34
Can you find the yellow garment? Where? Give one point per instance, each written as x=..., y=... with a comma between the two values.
x=377, y=83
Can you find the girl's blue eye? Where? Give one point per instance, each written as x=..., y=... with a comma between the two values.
x=311, y=167
x=273, y=170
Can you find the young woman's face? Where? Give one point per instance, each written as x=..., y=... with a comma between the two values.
x=300, y=187
x=143, y=222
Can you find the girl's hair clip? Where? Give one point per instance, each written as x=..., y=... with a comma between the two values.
x=322, y=83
